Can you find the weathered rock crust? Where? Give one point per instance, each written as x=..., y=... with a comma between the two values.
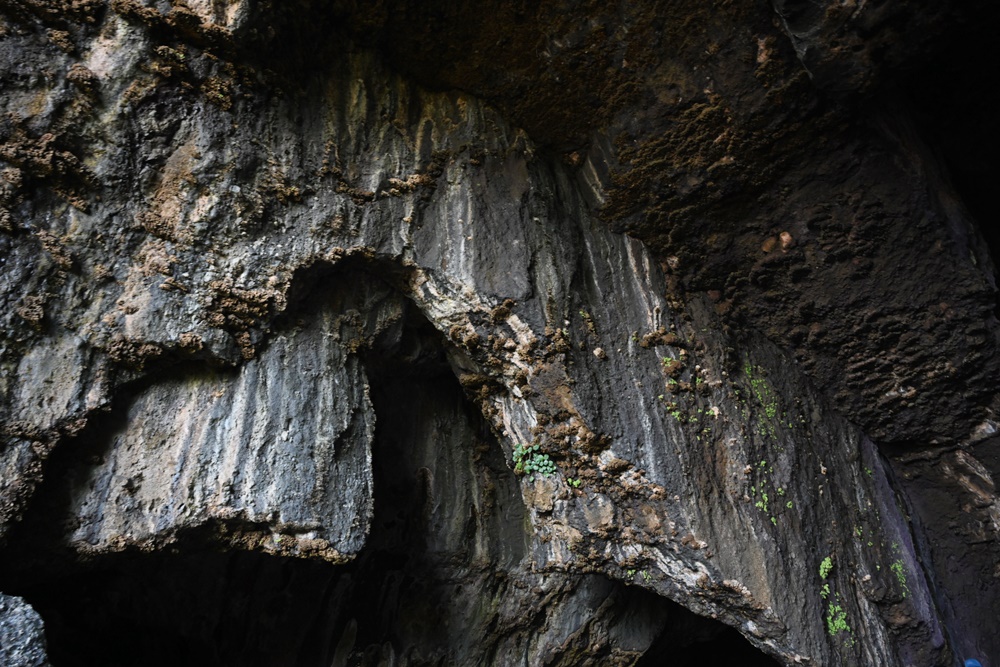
x=168, y=211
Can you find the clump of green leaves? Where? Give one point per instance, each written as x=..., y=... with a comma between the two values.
x=529, y=460
x=836, y=615
x=825, y=567
x=900, y=572
x=836, y=619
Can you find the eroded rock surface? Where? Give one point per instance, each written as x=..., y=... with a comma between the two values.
x=287, y=441
x=272, y=293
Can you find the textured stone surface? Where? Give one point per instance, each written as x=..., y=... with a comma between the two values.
x=723, y=128
x=294, y=425
x=235, y=247
x=22, y=643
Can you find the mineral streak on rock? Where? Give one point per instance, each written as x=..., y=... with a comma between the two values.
x=379, y=344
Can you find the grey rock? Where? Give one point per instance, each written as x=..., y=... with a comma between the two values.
x=220, y=285
x=22, y=638
x=287, y=443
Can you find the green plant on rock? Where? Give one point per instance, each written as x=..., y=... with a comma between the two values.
x=836, y=615
x=825, y=567
x=897, y=569
x=529, y=460
x=836, y=620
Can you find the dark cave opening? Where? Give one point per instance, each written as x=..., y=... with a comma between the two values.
x=703, y=644
x=436, y=580
x=215, y=608
x=948, y=90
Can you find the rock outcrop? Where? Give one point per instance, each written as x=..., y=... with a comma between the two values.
x=323, y=343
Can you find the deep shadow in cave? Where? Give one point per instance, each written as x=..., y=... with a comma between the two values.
x=435, y=585
x=707, y=642
x=947, y=92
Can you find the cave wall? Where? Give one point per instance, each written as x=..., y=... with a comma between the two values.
x=219, y=220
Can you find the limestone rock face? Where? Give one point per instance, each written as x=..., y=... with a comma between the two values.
x=323, y=343
x=287, y=442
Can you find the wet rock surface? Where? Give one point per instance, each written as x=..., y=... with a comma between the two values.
x=319, y=320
